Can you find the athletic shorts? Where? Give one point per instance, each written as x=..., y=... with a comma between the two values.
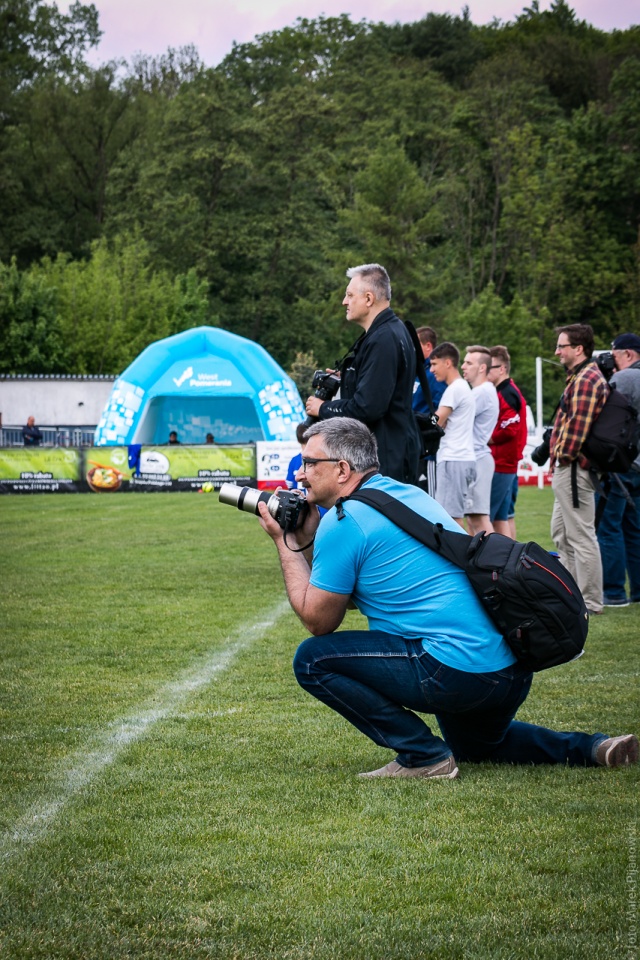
x=501, y=495
x=453, y=480
x=514, y=497
x=480, y=490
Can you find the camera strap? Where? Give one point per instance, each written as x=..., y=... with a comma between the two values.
x=297, y=549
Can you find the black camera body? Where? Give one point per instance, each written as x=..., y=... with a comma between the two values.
x=291, y=509
x=606, y=365
x=288, y=507
x=543, y=451
x=431, y=433
x=325, y=385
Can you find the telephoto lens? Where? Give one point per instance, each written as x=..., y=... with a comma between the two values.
x=245, y=498
x=288, y=507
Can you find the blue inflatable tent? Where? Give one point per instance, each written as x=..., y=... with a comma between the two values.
x=201, y=381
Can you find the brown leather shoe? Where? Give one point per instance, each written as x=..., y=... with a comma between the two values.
x=617, y=751
x=444, y=770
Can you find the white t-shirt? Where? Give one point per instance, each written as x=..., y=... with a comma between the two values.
x=487, y=410
x=457, y=443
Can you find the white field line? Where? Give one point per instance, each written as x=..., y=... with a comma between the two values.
x=79, y=770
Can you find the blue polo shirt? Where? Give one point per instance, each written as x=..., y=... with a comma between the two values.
x=403, y=587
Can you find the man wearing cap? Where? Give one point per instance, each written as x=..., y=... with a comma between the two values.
x=619, y=527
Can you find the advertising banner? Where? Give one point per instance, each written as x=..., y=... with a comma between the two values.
x=168, y=468
x=39, y=470
x=272, y=461
x=110, y=469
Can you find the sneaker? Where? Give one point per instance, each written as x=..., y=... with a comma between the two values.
x=617, y=751
x=445, y=770
x=617, y=603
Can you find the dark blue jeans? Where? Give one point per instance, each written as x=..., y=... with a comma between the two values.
x=619, y=539
x=379, y=682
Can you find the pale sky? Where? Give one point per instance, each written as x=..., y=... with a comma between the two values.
x=152, y=26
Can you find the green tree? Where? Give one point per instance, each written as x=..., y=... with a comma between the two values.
x=488, y=320
x=112, y=306
x=302, y=370
x=563, y=50
x=451, y=46
x=392, y=219
x=37, y=41
x=61, y=155
x=31, y=337
x=93, y=316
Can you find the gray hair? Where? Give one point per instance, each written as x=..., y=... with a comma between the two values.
x=347, y=439
x=375, y=276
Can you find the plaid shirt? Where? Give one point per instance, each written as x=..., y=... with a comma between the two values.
x=583, y=399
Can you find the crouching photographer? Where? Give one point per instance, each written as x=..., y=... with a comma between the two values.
x=431, y=647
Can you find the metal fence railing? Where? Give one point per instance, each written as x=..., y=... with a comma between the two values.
x=51, y=436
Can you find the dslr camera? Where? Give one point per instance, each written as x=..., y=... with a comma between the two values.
x=431, y=433
x=606, y=365
x=288, y=507
x=325, y=385
x=543, y=451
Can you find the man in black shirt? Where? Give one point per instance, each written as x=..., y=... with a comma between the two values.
x=377, y=377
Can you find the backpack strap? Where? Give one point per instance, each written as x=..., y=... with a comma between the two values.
x=574, y=484
x=454, y=547
x=420, y=371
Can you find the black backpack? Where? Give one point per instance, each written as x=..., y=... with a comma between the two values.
x=431, y=432
x=612, y=444
x=533, y=600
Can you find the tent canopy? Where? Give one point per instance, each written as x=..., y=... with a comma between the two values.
x=201, y=381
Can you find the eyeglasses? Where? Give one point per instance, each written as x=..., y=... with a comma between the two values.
x=562, y=346
x=311, y=462
x=496, y=366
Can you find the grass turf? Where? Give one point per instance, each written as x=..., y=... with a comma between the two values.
x=169, y=791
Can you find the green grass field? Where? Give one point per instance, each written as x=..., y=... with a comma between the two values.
x=169, y=791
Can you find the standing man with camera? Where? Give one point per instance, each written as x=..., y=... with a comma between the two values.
x=377, y=376
x=431, y=646
x=619, y=527
x=573, y=518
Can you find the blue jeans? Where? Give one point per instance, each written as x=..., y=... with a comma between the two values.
x=619, y=539
x=376, y=681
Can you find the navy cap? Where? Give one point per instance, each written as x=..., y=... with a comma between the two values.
x=627, y=341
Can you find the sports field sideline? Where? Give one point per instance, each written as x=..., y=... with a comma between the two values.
x=169, y=791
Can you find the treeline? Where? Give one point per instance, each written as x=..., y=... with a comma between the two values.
x=494, y=170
